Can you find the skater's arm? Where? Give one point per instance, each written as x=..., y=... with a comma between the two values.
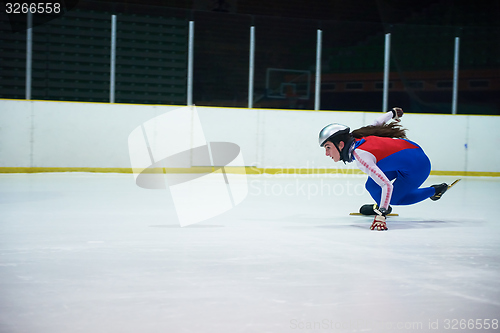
x=382, y=119
x=395, y=114
x=385, y=117
x=368, y=164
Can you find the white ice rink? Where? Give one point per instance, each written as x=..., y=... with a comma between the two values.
x=83, y=252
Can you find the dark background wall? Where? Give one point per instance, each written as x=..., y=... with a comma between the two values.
x=71, y=53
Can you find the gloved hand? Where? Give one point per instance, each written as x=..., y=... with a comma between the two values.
x=379, y=223
x=397, y=113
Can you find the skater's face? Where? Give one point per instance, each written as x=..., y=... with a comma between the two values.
x=331, y=151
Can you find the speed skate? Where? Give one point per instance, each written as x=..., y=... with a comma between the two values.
x=359, y=214
x=370, y=210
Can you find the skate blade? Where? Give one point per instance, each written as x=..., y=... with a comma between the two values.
x=359, y=214
x=452, y=184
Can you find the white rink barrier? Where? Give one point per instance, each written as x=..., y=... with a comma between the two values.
x=75, y=136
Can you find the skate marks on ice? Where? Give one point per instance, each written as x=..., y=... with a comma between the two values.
x=307, y=221
x=312, y=221
x=416, y=223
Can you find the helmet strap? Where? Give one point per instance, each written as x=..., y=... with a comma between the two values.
x=344, y=154
x=340, y=151
x=337, y=146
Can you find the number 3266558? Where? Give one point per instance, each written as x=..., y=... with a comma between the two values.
x=33, y=8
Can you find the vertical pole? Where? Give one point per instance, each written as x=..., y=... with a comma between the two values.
x=251, y=67
x=190, y=64
x=113, y=60
x=387, y=58
x=318, y=71
x=29, y=54
x=455, y=77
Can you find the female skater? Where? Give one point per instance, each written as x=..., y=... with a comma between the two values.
x=383, y=152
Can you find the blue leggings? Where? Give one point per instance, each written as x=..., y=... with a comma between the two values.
x=410, y=168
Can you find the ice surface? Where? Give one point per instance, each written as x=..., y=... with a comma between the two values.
x=95, y=253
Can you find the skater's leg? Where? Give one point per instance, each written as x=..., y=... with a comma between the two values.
x=407, y=189
x=408, y=194
x=374, y=189
x=410, y=168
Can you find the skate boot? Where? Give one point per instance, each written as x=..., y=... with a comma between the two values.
x=440, y=189
x=369, y=209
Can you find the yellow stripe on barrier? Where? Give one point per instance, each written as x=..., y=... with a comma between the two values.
x=231, y=169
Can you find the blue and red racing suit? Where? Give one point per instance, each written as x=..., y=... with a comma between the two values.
x=396, y=168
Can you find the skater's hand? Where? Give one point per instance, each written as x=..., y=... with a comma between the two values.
x=379, y=223
x=397, y=113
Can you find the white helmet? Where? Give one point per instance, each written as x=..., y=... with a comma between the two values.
x=330, y=131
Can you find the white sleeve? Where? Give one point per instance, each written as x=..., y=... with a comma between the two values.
x=383, y=119
x=368, y=164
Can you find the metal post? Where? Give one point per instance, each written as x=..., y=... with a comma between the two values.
x=113, y=60
x=455, y=77
x=251, y=67
x=387, y=58
x=29, y=54
x=190, y=64
x=318, y=71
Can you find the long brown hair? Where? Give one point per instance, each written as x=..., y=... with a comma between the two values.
x=391, y=130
